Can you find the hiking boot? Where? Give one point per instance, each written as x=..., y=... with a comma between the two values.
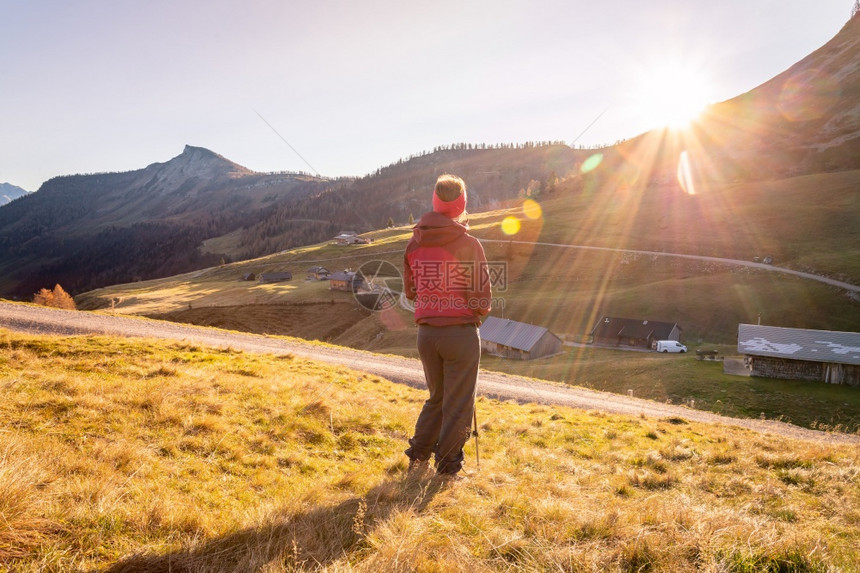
x=450, y=478
x=418, y=467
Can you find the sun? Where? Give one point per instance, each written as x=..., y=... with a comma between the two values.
x=671, y=95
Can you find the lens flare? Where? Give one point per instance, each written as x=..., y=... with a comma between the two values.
x=591, y=163
x=808, y=95
x=532, y=209
x=511, y=225
x=685, y=174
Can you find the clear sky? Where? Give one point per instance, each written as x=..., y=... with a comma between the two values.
x=114, y=85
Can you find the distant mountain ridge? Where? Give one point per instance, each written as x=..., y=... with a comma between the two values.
x=9, y=193
x=86, y=231
x=807, y=118
x=199, y=208
x=804, y=120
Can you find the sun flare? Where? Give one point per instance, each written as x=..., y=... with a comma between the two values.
x=672, y=95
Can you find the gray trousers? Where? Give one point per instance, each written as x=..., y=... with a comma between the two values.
x=450, y=355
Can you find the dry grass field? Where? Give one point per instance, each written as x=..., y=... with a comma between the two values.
x=129, y=456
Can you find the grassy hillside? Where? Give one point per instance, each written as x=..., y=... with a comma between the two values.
x=697, y=384
x=808, y=222
x=804, y=223
x=568, y=290
x=149, y=456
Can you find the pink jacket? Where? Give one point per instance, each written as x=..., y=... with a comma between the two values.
x=445, y=273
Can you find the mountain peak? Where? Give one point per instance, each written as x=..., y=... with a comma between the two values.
x=194, y=165
x=192, y=151
x=8, y=192
x=217, y=164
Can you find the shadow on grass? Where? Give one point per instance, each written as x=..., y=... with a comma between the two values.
x=298, y=541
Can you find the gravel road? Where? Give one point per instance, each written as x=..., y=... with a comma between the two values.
x=41, y=320
x=720, y=260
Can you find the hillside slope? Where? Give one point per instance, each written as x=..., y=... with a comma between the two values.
x=714, y=189
x=175, y=457
x=9, y=193
x=568, y=289
x=800, y=409
x=563, y=289
x=85, y=231
x=805, y=120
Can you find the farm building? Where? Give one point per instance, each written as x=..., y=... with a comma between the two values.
x=275, y=277
x=801, y=354
x=318, y=273
x=351, y=238
x=348, y=281
x=346, y=238
x=512, y=339
x=249, y=277
x=611, y=331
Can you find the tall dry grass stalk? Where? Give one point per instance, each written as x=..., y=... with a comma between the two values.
x=23, y=525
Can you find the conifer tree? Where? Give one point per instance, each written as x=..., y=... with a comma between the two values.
x=44, y=297
x=57, y=298
x=62, y=299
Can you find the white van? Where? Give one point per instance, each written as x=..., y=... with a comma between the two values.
x=670, y=346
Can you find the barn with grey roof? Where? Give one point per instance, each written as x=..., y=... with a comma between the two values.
x=275, y=277
x=801, y=354
x=613, y=331
x=512, y=339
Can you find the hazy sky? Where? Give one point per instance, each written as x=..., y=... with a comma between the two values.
x=114, y=85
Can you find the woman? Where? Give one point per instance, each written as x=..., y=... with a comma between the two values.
x=445, y=275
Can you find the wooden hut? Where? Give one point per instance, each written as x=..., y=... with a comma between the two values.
x=512, y=339
x=801, y=354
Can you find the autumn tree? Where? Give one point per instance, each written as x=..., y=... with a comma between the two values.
x=57, y=298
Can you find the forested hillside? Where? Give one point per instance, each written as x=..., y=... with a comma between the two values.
x=493, y=175
x=88, y=231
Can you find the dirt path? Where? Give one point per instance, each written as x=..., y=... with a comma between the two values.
x=720, y=260
x=40, y=320
x=732, y=262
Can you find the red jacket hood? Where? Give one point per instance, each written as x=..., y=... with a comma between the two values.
x=435, y=229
